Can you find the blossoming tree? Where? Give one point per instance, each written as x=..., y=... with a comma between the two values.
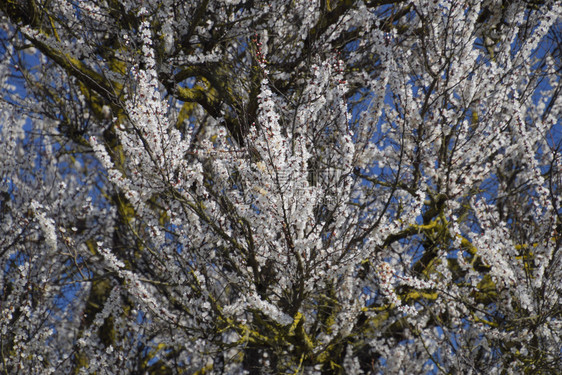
x=280, y=187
